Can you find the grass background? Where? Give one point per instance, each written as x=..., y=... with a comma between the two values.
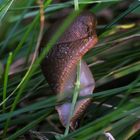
x=27, y=104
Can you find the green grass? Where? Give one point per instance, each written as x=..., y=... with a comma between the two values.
x=7, y=69
x=27, y=103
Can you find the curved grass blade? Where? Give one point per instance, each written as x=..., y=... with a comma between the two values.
x=6, y=79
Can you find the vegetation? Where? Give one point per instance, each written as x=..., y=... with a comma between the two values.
x=27, y=104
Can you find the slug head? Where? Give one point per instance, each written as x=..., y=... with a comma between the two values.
x=81, y=28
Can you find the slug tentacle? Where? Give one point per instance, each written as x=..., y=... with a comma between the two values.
x=59, y=66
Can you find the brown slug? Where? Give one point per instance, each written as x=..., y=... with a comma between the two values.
x=59, y=66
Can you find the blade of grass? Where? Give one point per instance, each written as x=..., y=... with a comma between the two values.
x=6, y=79
x=77, y=87
x=10, y=34
x=100, y=6
x=1, y=70
x=27, y=118
x=92, y=127
x=76, y=5
x=28, y=127
x=5, y=9
x=54, y=7
x=130, y=131
x=51, y=102
x=74, y=99
x=134, y=5
x=119, y=73
x=129, y=91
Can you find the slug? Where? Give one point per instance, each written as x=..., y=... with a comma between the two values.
x=59, y=65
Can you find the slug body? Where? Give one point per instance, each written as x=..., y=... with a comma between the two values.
x=59, y=66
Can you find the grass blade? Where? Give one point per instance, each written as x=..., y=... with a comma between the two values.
x=6, y=79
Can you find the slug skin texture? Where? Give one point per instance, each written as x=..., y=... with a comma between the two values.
x=59, y=66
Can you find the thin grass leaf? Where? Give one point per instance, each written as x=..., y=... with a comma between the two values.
x=51, y=102
x=55, y=7
x=27, y=118
x=5, y=9
x=10, y=34
x=131, y=87
x=1, y=70
x=135, y=5
x=100, y=6
x=74, y=98
x=88, y=131
x=76, y=4
x=120, y=73
x=27, y=127
x=6, y=79
x=130, y=131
